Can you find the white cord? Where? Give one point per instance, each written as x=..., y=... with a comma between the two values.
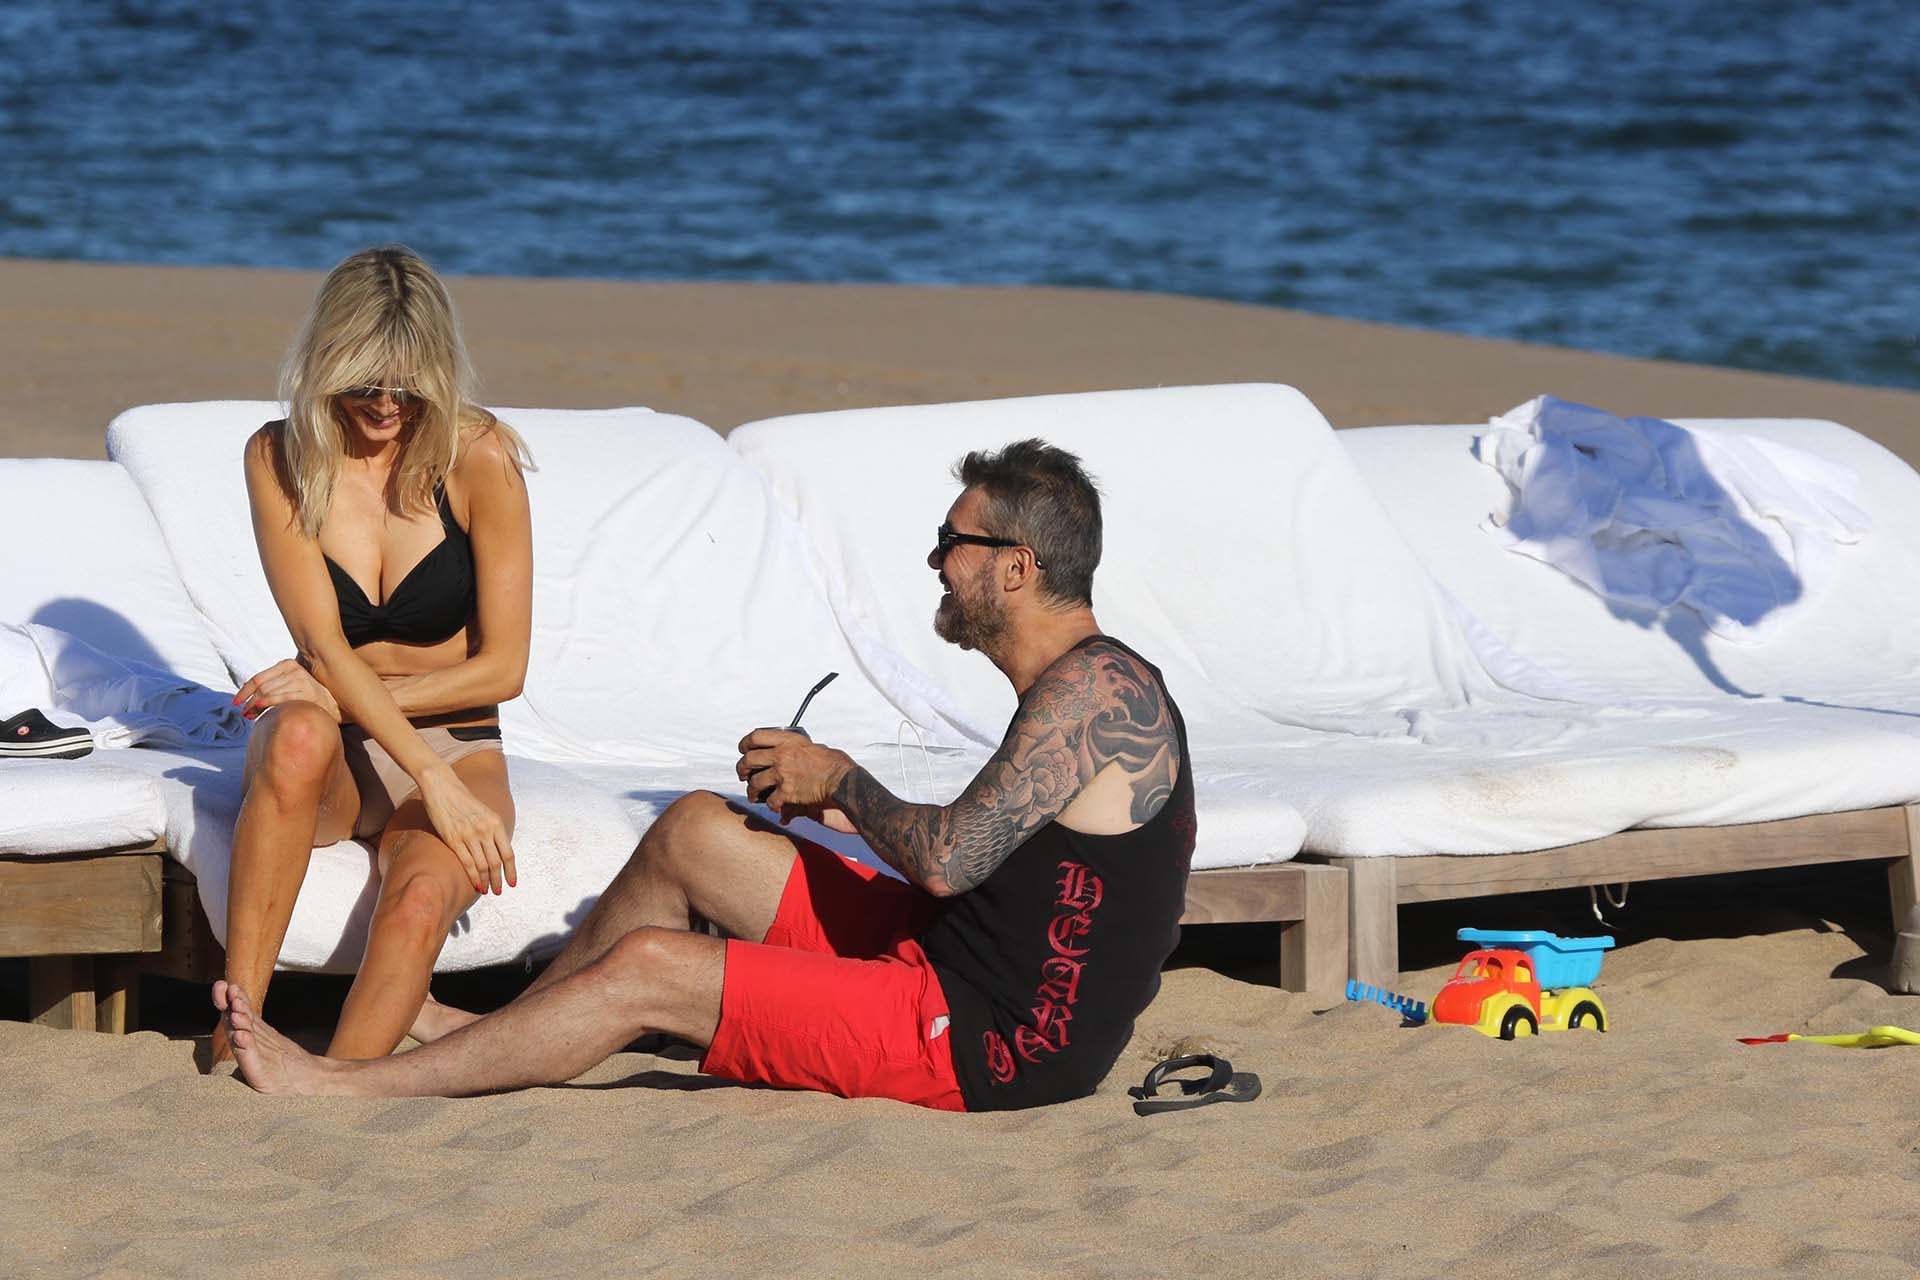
x=926, y=757
x=1593, y=897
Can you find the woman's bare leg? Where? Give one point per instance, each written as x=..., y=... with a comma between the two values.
x=423, y=890
x=299, y=793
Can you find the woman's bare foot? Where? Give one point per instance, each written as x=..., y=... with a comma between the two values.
x=436, y=1020
x=219, y=1049
x=269, y=1061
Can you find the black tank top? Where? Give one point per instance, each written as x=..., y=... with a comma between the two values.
x=1048, y=962
x=431, y=604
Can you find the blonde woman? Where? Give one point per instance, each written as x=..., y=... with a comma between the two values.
x=392, y=522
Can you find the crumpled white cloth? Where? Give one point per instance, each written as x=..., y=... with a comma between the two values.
x=123, y=702
x=1652, y=516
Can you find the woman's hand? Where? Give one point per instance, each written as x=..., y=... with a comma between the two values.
x=472, y=830
x=285, y=681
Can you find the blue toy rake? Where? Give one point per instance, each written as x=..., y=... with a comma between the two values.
x=1414, y=1011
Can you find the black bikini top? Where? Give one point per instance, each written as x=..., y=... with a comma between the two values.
x=431, y=604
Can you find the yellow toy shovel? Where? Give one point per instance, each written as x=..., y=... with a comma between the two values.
x=1872, y=1038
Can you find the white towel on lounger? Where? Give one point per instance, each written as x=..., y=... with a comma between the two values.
x=122, y=701
x=1651, y=516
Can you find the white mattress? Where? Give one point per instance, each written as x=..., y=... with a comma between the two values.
x=1315, y=653
x=1446, y=789
x=1678, y=765
x=1244, y=554
x=1653, y=725
x=1336, y=691
x=77, y=806
x=1187, y=542
x=106, y=577
x=1858, y=641
x=674, y=607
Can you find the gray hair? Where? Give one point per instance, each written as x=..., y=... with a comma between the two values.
x=1042, y=497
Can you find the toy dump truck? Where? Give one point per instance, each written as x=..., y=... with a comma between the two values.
x=1523, y=982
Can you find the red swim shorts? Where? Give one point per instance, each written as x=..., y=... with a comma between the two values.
x=840, y=997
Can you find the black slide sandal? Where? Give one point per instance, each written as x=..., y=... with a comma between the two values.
x=31, y=734
x=1221, y=1084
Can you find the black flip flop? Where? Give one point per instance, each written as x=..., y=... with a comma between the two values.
x=1220, y=1084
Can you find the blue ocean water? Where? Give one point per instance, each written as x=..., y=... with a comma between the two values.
x=1734, y=183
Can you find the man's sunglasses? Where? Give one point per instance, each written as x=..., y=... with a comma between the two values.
x=401, y=395
x=946, y=538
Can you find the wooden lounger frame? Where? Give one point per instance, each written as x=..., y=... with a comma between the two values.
x=91, y=923
x=84, y=921
x=1309, y=900
x=1379, y=886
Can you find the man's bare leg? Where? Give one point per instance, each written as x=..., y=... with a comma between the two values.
x=702, y=856
x=651, y=980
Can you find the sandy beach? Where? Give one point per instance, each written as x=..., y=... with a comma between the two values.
x=1662, y=1148
x=85, y=341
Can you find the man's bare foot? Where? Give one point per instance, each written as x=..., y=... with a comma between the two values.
x=436, y=1020
x=268, y=1060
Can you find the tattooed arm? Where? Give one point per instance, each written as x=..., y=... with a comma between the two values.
x=1096, y=716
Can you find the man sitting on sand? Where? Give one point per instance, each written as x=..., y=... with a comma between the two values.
x=1006, y=972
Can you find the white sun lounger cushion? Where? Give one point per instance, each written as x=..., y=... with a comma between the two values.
x=1855, y=641
x=77, y=806
x=675, y=606
x=85, y=556
x=1244, y=554
x=1488, y=785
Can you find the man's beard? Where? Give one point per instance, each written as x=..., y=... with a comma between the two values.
x=978, y=625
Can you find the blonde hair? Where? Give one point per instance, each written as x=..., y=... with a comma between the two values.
x=382, y=318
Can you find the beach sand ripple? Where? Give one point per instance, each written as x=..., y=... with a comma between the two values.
x=1661, y=1148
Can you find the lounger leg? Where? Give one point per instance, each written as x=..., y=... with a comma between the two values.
x=1903, y=874
x=117, y=992
x=1374, y=916
x=1313, y=950
x=60, y=992
x=1903, y=887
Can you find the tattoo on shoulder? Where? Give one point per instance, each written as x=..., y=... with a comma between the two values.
x=1134, y=729
x=1097, y=706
